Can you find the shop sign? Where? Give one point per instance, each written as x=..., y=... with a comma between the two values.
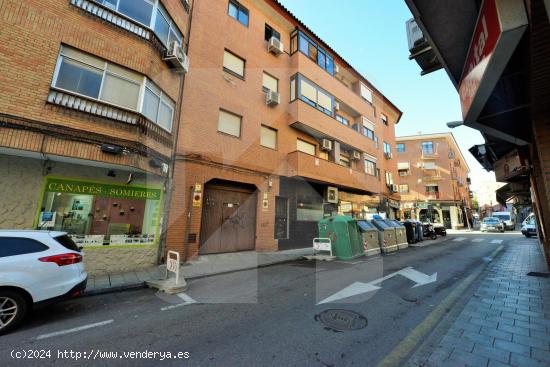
x=101, y=189
x=498, y=30
x=346, y=207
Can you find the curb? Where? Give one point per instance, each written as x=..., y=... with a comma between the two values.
x=143, y=284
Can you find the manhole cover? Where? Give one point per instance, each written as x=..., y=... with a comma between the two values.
x=342, y=319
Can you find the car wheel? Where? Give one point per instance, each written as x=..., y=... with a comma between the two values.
x=13, y=308
x=527, y=235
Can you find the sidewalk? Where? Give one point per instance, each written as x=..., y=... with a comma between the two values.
x=206, y=265
x=506, y=321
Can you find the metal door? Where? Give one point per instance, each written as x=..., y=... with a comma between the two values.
x=281, y=217
x=228, y=220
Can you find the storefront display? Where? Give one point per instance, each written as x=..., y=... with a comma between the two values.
x=100, y=214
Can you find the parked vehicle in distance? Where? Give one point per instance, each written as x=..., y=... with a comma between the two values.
x=529, y=226
x=491, y=224
x=37, y=268
x=429, y=231
x=440, y=229
x=508, y=218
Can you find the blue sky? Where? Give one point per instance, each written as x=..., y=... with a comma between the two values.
x=371, y=36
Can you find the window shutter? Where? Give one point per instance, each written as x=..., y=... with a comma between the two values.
x=229, y=123
x=268, y=137
x=307, y=90
x=233, y=63
x=270, y=82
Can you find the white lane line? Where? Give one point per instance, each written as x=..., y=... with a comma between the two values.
x=186, y=302
x=74, y=330
x=496, y=241
x=477, y=240
x=459, y=239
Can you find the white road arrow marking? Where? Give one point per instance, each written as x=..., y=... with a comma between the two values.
x=496, y=241
x=477, y=240
x=186, y=302
x=359, y=288
x=459, y=239
x=352, y=290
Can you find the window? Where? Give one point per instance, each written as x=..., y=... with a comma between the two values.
x=400, y=147
x=233, y=64
x=384, y=119
x=376, y=141
x=368, y=133
x=90, y=76
x=300, y=42
x=370, y=167
x=157, y=107
x=268, y=137
x=151, y=14
x=387, y=148
x=429, y=165
x=270, y=32
x=342, y=120
x=238, y=12
x=270, y=83
x=323, y=155
x=427, y=147
x=431, y=190
x=344, y=160
x=403, y=172
x=11, y=246
x=305, y=147
x=389, y=178
x=67, y=242
x=366, y=93
x=312, y=94
x=404, y=189
x=229, y=123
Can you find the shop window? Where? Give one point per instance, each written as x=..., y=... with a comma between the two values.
x=233, y=64
x=238, y=12
x=270, y=32
x=268, y=137
x=99, y=214
x=87, y=75
x=269, y=83
x=229, y=123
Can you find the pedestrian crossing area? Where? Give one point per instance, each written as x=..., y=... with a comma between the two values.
x=477, y=240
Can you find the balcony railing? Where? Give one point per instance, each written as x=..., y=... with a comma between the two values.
x=432, y=196
x=429, y=154
x=308, y=166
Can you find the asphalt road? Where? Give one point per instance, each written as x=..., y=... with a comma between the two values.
x=265, y=317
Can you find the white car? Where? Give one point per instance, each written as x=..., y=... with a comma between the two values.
x=36, y=268
x=529, y=226
x=491, y=224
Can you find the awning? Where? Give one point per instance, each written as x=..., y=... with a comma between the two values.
x=403, y=166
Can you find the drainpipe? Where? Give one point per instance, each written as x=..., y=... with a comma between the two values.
x=169, y=185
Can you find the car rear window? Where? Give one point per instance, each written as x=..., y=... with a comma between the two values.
x=12, y=246
x=67, y=242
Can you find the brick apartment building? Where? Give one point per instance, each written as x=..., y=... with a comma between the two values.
x=433, y=179
x=88, y=115
x=276, y=131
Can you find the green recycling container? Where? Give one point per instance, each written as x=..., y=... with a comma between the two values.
x=345, y=236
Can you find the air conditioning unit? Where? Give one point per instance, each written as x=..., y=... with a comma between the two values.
x=275, y=46
x=272, y=98
x=356, y=155
x=326, y=145
x=336, y=106
x=176, y=57
x=332, y=195
x=387, y=155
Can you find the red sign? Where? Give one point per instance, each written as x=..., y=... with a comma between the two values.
x=484, y=41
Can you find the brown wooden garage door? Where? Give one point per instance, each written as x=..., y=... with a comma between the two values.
x=228, y=219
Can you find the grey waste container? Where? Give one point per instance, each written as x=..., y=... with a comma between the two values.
x=386, y=235
x=400, y=234
x=370, y=236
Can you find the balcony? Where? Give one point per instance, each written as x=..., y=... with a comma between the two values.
x=432, y=175
x=345, y=93
x=317, y=169
x=429, y=154
x=322, y=126
x=432, y=196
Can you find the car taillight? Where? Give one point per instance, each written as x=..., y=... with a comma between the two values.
x=63, y=259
